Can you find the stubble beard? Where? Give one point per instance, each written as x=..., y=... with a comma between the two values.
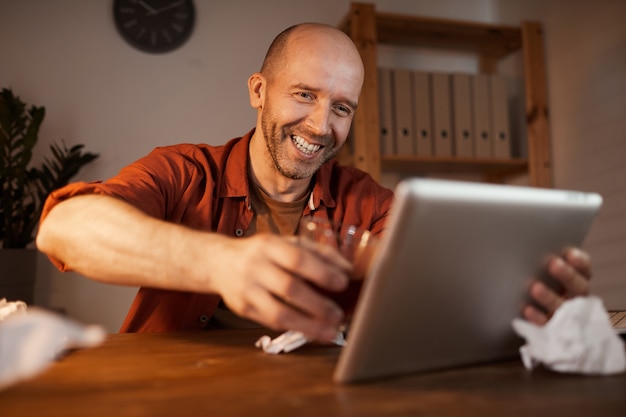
x=278, y=140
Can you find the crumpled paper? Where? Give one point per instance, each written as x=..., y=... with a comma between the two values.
x=10, y=308
x=289, y=341
x=578, y=338
x=31, y=338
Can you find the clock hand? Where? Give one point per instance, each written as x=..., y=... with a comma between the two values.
x=171, y=6
x=146, y=6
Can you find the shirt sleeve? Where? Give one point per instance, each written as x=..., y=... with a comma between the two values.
x=158, y=184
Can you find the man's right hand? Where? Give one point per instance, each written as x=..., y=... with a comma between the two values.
x=265, y=278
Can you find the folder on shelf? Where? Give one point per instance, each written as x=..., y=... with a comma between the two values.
x=500, y=128
x=403, y=132
x=462, y=133
x=385, y=111
x=440, y=103
x=481, y=119
x=421, y=114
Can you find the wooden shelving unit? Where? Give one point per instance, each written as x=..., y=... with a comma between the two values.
x=490, y=42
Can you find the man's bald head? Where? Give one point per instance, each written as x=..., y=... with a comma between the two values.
x=327, y=38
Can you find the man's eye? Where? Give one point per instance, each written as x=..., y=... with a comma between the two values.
x=343, y=110
x=305, y=95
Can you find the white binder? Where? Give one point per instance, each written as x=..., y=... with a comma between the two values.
x=421, y=114
x=462, y=133
x=403, y=132
x=481, y=119
x=440, y=102
x=385, y=111
x=500, y=126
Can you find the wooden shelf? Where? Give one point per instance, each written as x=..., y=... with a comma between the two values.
x=436, y=165
x=490, y=42
x=484, y=39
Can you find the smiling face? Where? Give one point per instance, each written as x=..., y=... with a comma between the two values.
x=306, y=100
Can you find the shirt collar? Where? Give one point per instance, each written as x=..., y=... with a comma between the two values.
x=235, y=177
x=321, y=189
x=236, y=182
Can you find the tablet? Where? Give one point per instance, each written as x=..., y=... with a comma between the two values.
x=453, y=270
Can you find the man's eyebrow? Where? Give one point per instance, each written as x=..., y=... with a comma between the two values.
x=301, y=86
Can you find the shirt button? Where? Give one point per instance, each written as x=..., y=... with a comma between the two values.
x=239, y=232
x=203, y=318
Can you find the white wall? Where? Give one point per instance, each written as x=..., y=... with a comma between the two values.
x=97, y=90
x=586, y=69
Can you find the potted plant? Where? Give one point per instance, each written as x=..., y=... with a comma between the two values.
x=24, y=189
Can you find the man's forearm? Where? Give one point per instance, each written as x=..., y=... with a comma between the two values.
x=111, y=241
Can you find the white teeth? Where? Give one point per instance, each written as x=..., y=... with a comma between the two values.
x=305, y=146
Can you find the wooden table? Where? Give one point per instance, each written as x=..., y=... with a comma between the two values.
x=221, y=373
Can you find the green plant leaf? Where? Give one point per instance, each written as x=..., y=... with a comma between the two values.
x=24, y=189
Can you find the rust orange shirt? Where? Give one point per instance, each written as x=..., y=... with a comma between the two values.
x=206, y=187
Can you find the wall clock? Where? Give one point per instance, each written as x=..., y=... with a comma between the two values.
x=155, y=26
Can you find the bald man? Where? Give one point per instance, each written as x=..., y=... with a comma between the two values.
x=207, y=232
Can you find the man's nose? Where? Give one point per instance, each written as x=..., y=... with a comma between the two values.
x=319, y=120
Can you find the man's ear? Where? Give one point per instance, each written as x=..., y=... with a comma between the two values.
x=257, y=85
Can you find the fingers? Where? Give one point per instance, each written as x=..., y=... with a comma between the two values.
x=277, y=315
x=270, y=283
x=304, y=308
x=328, y=254
x=534, y=315
x=317, y=263
x=300, y=295
x=572, y=271
x=579, y=260
x=544, y=297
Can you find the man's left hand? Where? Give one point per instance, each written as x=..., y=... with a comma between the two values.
x=572, y=271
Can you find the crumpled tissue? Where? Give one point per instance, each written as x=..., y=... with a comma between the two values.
x=289, y=341
x=10, y=308
x=31, y=338
x=578, y=338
